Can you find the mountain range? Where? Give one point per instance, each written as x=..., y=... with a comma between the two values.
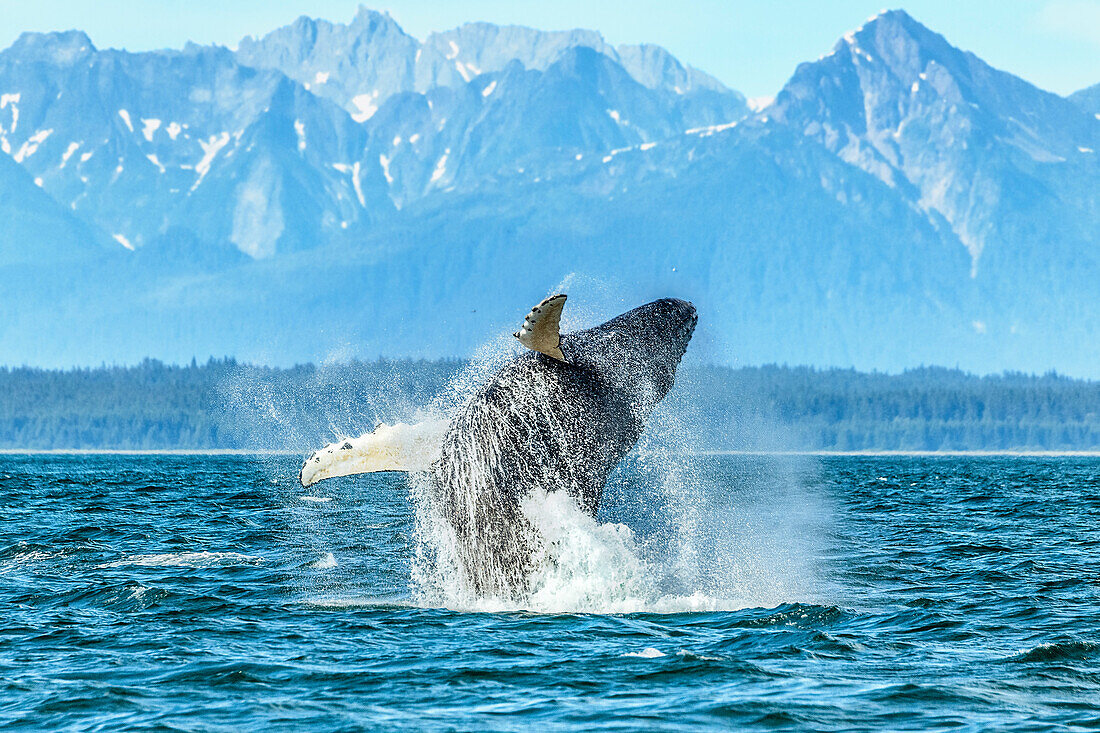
x=333, y=190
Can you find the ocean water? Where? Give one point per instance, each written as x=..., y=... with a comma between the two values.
x=748, y=592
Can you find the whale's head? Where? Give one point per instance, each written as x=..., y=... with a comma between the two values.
x=638, y=351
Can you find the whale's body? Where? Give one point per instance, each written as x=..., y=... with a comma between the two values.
x=543, y=423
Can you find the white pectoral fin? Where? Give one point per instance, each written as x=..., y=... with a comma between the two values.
x=542, y=328
x=399, y=447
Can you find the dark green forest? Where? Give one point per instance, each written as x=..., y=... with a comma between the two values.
x=225, y=404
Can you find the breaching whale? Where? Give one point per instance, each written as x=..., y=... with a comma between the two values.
x=558, y=417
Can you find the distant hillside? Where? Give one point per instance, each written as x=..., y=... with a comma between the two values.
x=1088, y=99
x=348, y=189
x=223, y=404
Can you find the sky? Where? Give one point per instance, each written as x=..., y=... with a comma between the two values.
x=750, y=46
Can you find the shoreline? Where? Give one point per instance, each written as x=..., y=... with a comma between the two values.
x=1008, y=453
x=791, y=453
x=142, y=452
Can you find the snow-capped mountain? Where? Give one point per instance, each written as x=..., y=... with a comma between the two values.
x=362, y=64
x=520, y=122
x=968, y=142
x=485, y=101
x=347, y=189
x=158, y=146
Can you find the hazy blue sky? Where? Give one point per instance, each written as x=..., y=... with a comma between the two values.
x=753, y=47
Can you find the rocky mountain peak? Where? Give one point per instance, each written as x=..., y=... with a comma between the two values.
x=60, y=47
x=897, y=100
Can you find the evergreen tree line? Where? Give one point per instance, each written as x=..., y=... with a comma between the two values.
x=225, y=404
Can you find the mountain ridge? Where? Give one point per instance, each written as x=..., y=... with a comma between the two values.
x=317, y=52
x=899, y=202
x=1087, y=98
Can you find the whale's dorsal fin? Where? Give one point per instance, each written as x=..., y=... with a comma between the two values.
x=541, y=328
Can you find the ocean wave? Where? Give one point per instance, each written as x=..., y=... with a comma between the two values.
x=23, y=555
x=203, y=559
x=363, y=602
x=1059, y=651
x=23, y=559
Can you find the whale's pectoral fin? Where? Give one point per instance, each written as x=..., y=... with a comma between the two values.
x=397, y=447
x=541, y=328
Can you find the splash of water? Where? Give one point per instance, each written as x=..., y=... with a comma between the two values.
x=569, y=562
x=658, y=546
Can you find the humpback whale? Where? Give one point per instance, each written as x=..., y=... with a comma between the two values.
x=558, y=417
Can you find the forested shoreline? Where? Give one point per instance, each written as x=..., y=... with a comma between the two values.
x=222, y=404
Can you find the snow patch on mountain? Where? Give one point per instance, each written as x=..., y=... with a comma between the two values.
x=300, y=131
x=357, y=185
x=73, y=147
x=365, y=104
x=210, y=149
x=30, y=146
x=710, y=129
x=11, y=100
x=385, y=163
x=148, y=127
x=756, y=104
x=440, y=166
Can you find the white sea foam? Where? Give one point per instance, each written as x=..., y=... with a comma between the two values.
x=585, y=566
x=21, y=560
x=32, y=556
x=186, y=559
x=324, y=563
x=359, y=602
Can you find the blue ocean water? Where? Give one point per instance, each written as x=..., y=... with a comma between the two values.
x=213, y=593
